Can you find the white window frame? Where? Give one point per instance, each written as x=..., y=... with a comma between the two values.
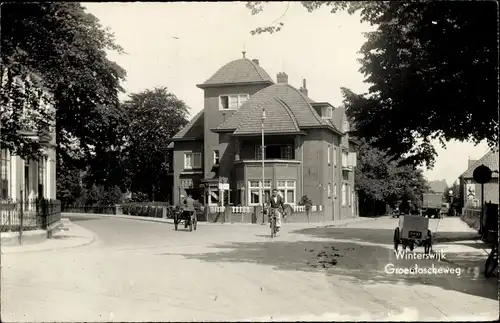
x=335, y=190
x=240, y=99
x=287, y=150
x=344, y=194
x=192, y=161
x=345, y=159
x=288, y=185
x=258, y=188
x=329, y=157
x=329, y=190
x=334, y=155
x=216, y=157
x=327, y=112
x=258, y=152
x=345, y=125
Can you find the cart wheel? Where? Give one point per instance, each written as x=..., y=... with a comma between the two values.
x=412, y=245
x=396, y=239
x=404, y=243
x=491, y=265
x=195, y=221
x=428, y=242
x=176, y=224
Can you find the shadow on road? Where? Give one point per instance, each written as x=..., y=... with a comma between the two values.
x=361, y=264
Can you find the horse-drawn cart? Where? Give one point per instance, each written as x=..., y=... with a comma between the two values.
x=413, y=230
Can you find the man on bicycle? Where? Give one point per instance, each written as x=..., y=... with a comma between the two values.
x=276, y=207
x=189, y=208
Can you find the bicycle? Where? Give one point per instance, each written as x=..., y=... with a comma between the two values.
x=273, y=222
x=491, y=265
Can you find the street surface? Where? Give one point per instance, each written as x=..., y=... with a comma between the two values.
x=145, y=271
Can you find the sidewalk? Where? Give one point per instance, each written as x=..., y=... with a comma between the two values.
x=72, y=236
x=460, y=243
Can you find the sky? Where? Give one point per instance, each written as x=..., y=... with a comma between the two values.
x=181, y=44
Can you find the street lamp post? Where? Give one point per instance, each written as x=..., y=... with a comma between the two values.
x=263, y=118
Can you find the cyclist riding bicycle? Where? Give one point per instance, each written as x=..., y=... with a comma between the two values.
x=276, y=208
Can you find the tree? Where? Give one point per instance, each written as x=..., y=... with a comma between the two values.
x=380, y=181
x=62, y=48
x=431, y=75
x=154, y=116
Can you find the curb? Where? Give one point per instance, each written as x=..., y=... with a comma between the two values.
x=28, y=238
x=86, y=239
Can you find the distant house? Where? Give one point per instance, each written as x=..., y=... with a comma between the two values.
x=470, y=191
x=308, y=150
x=31, y=178
x=438, y=186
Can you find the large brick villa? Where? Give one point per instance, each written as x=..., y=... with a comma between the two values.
x=307, y=146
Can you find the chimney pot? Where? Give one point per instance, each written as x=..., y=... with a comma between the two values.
x=282, y=77
x=304, y=84
x=256, y=61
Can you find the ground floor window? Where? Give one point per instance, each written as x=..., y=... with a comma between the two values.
x=255, y=191
x=286, y=190
x=4, y=174
x=344, y=194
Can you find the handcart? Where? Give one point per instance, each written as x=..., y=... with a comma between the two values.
x=413, y=230
x=189, y=218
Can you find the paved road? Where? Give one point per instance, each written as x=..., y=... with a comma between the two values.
x=143, y=271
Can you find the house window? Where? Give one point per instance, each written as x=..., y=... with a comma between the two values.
x=335, y=190
x=345, y=126
x=329, y=157
x=258, y=152
x=329, y=190
x=216, y=157
x=192, y=160
x=344, y=194
x=275, y=152
x=326, y=112
x=4, y=174
x=335, y=156
x=286, y=189
x=286, y=152
x=233, y=101
x=345, y=157
x=254, y=191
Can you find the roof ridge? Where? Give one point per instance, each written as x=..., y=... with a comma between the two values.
x=479, y=161
x=256, y=69
x=290, y=113
x=190, y=123
x=249, y=114
x=315, y=114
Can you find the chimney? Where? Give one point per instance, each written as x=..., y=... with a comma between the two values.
x=472, y=162
x=303, y=89
x=282, y=77
x=255, y=61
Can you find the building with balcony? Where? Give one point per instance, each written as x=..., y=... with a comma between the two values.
x=307, y=148
x=30, y=179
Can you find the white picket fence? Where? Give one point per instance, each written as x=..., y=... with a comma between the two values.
x=249, y=209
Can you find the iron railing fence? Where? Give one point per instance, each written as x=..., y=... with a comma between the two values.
x=25, y=215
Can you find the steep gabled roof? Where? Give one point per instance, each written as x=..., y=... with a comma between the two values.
x=304, y=114
x=193, y=130
x=279, y=119
x=239, y=71
x=490, y=160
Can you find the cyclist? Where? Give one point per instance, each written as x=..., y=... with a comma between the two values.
x=189, y=208
x=276, y=207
